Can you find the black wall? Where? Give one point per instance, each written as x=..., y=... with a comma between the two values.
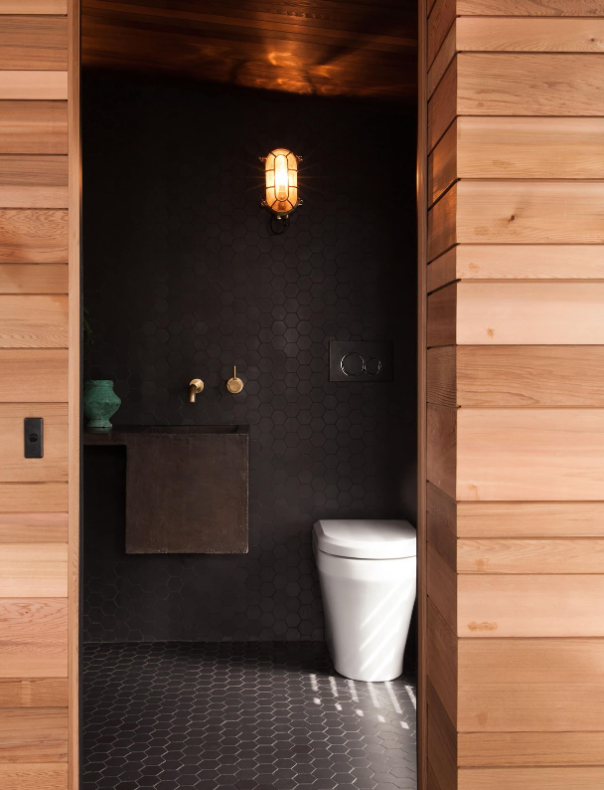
x=183, y=279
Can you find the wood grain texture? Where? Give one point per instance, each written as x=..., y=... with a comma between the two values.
x=443, y=104
x=529, y=519
x=530, y=555
x=442, y=540
x=33, y=42
x=531, y=685
x=530, y=605
x=442, y=745
x=442, y=317
x=441, y=376
x=442, y=508
x=442, y=224
x=442, y=660
x=33, y=528
x=33, y=497
x=520, y=262
x=518, y=376
x=33, y=637
x=14, y=467
x=33, y=776
x=519, y=313
x=19, y=278
x=442, y=270
x=33, y=236
x=33, y=127
x=33, y=181
x=530, y=748
x=530, y=7
x=23, y=369
x=441, y=587
x=441, y=62
x=441, y=447
x=579, y=778
x=527, y=147
x=492, y=34
x=33, y=6
x=529, y=84
x=29, y=85
x=33, y=735
x=33, y=321
x=442, y=163
x=529, y=212
x=33, y=570
x=33, y=693
x=563, y=448
x=439, y=23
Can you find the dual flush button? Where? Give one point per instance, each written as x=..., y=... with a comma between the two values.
x=356, y=360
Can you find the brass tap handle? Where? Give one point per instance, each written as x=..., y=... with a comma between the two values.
x=234, y=384
x=195, y=387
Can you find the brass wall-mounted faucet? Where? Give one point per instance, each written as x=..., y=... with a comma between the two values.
x=195, y=387
x=234, y=385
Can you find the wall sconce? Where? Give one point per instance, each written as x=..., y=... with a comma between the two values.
x=281, y=185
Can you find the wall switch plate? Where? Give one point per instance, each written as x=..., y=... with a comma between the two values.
x=33, y=436
x=352, y=360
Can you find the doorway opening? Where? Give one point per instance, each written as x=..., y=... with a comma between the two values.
x=210, y=669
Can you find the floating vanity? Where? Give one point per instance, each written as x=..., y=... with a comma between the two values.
x=186, y=487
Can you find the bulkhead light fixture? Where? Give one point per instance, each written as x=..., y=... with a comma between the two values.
x=281, y=185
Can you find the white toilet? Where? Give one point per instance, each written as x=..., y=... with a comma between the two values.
x=367, y=570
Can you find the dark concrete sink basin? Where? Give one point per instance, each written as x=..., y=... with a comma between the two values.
x=186, y=487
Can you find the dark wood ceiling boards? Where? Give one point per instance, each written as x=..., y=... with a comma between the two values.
x=324, y=47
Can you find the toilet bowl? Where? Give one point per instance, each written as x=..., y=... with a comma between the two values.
x=367, y=572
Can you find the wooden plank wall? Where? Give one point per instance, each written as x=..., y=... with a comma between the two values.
x=515, y=395
x=39, y=377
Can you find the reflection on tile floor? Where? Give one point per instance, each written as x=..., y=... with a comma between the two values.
x=253, y=716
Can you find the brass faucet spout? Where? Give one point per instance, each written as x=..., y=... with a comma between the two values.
x=195, y=387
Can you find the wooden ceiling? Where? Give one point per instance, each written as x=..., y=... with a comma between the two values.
x=364, y=49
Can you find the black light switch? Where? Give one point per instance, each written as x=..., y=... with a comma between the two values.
x=34, y=437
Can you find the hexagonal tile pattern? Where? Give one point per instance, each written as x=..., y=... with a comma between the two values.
x=183, y=279
x=263, y=716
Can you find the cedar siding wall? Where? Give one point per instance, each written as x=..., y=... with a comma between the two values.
x=39, y=364
x=515, y=395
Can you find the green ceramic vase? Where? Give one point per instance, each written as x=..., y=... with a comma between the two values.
x=100, y=403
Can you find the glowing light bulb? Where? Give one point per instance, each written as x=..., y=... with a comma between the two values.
x=281, y=178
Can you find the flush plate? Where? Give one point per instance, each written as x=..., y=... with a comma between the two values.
x=356, y=360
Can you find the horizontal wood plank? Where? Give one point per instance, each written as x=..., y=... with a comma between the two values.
x=441, y=588
x=33, y=528
x=33, y=236
x=441, y=376
x=530, y=555
x=33, y=735
x=519, y=262
x=33, y=181
x=510, y=148
x=33, y=776
x=442, y=224
x=528, y=212
x=531, y=685
x=530, y=748
x=441, y=447
x=33, y=570
x=492, y=34
x=529, y=8
x=442, y=317
x=529, y=84
x=441, y=659
x=443, y=105
x=562, y=448
x=21, y=278
x=539, y=313
x=33, y=693
x=33, y=6
x=441, y=62
x=530, y=606
x=442, y=163
x=528, y=519
x=30, y=85
x=33, y=127
x=23, y=369
x=14, y=467
x=517, y=376
x=578, y=777
x=33, y=42
x=33, y=637
x=33, y=321
x=33, y=497
x=439, y=22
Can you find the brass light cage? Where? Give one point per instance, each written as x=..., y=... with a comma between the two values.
x=281, y=182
